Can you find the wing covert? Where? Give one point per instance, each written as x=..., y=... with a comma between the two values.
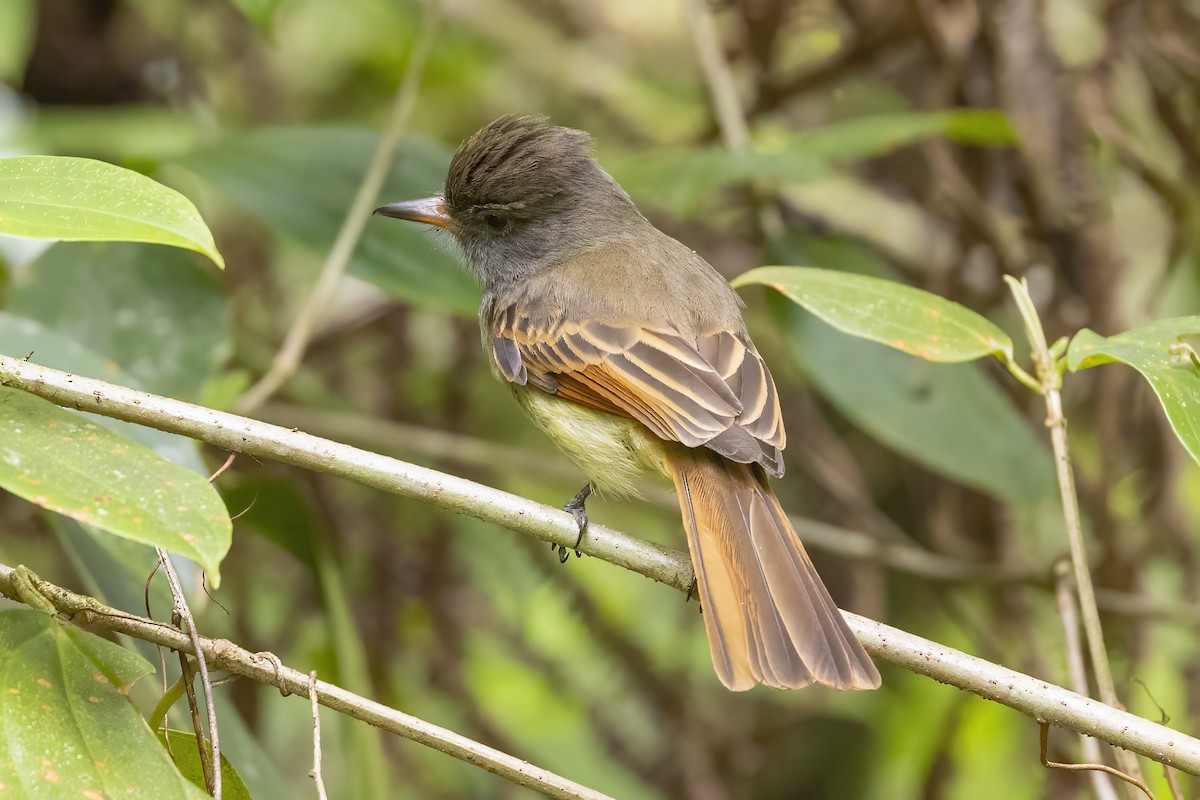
x=716, y=392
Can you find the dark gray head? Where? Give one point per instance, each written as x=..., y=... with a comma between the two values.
x=520, y=195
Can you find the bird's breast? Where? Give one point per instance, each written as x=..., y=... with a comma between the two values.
x=615, y=452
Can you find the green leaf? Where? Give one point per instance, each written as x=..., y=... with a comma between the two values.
x=66, y=729
x=17, y=19
x=64, y=462
x=300, y=181
x=1165, y=354
x=186, y=755
x=78, y=199
x=155, y=312
x=20, y=337
x=950, y=418
x=678, y=180
x=905, y=318
x=868, y=137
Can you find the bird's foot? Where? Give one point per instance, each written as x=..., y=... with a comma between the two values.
x=577, y=507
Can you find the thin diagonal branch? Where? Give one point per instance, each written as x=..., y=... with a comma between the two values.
x=1077, y=669
x=1031, y=696
x=182, y=616
x=296, y=341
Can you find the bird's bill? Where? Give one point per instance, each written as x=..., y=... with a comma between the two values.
x=430, y=210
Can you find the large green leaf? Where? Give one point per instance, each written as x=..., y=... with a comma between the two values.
x=1173, y=374
x=911, y=320
x=160, y=316
x=950, y=418
x=78, y=199
x=114, y=567
x=64, y=462
x=186, y=755
x=300, y=181
x=66, y=728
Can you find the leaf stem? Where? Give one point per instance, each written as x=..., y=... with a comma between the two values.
x=1021, y=375
x=169, y=698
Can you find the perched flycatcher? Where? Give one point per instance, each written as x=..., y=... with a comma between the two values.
x=630, y=351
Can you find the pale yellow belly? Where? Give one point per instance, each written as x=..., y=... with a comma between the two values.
x=614, y=452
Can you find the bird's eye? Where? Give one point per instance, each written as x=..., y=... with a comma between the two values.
x=495, y=221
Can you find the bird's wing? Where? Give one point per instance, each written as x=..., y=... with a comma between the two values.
x=715, y=392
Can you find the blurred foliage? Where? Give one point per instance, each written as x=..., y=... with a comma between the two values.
x=940, y=144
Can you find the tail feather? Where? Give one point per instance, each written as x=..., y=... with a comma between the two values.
x=768, y=616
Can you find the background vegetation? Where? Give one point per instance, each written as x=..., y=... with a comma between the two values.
x=940, y=143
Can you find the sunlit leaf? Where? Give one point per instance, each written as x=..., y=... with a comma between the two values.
x=66, y=729
x=911, y=320
x=867, y=137
x=79, y=199
x=186, y=755
x=301, y=181
x=66, y=463
x=153, y=311
x=1167, y=354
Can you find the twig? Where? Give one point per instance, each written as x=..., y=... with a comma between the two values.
x=315, y=772
x=1105, y=768
x=1173, y=783
x=1078, y=671
x=186, y=622
x=221, y=469
x=1051, y=379
x=296, y=341
x=1028, y=695
x=267, y=669
x=726, y=106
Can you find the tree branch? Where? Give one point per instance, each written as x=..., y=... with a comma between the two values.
x=266, y=668
x=1033, y=697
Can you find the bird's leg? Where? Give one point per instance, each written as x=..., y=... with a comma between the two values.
x=691, y=592
x=577, y=508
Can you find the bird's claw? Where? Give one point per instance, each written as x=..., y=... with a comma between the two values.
x=578, y=510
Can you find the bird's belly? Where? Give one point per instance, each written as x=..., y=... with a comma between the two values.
x=614, y=451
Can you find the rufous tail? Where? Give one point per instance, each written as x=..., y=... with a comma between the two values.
x=768, y=616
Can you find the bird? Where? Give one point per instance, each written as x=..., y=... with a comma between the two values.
x=630, y=351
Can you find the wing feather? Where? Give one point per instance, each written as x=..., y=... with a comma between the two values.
x=714, y=391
